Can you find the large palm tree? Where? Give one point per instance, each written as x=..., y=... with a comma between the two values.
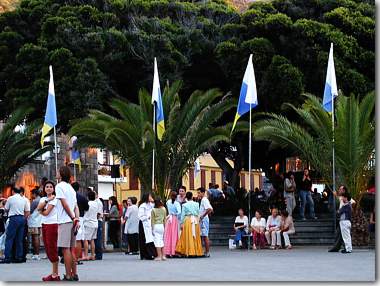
x=311, y=137
x=18, y=147
x=191, y=128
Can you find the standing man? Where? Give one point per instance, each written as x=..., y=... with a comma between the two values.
x=99, y=235
x=289, y=191
x=305, y=194
x=34, y=224
x=204, y=210
x=18, y=210
x=338, y=235
x=82, y=203
x=68, y=222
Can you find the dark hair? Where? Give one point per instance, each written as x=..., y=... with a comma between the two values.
x=144, y=198
x=157, y=202
x=16, y=190
x=91, y=196
x=113, y=200
x=289, y=174
x=182, y=187
x=347, y=195
x=257, y=189
x=133, y=200
x=241, y=209
x=260, y=212
x=76, y=186
x=173, y=196
x=210, y=185
x=43, y=192
x=124, y=202
x=22, y=190
x=285, y=213
x=201, y=190
x=189, y=195
x=36, y=191
x=216, y=186
x=65, y=173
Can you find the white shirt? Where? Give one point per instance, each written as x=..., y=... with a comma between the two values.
x=52, y=217
x=258, y=223
x=132, y=224
x=90, y=217
x=243, y=220
x=205, y=205
x=17, y=205
x=65, y=191
x=100, y=208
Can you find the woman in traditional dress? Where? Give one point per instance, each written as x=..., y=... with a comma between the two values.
x=190, y=243
x=171, y=227
x=146, y=240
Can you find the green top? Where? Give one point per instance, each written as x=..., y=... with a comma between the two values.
x=188, y=209
x=158, y=216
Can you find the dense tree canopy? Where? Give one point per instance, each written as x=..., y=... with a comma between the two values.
x=103, y=49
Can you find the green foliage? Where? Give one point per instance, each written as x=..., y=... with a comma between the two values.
x=130, y=133
x=311, y=137
x=18, y=148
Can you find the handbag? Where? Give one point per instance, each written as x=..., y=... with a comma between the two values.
x=231, y=244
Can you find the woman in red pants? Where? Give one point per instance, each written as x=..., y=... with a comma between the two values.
x=50, y=228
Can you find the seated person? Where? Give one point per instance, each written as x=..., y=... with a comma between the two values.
x=241, y=227
x=273, y=225
x=286, y=228
x=258, y=228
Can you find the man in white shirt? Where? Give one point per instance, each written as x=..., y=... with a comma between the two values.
x=68, y=222
x=18, y=209
x=204, y=210
x=99, y=235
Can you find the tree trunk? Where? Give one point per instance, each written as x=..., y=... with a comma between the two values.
x=359, y=228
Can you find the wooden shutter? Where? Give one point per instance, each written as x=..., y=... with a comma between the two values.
x=203, y=178
x=191, y=178
x=213, y=180
x=242, y=180
x=133, y=180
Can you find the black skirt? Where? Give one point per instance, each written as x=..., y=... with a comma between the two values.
x=147, y=250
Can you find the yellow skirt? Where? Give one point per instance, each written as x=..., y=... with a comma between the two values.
x=187, y=244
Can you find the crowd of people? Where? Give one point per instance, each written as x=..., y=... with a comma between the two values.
x=71, y=223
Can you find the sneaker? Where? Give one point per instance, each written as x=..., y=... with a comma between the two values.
x=75, y=277
x=207, y=255
x=67, y=279
x=345, y=251
x=51, y=278
x=315, y=217
x=36, y=257
x=240, y=243
x=333, y=249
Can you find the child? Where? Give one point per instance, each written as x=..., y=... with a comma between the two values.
x=345, y=213
x=158, y=217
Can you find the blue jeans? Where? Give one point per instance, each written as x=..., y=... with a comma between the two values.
x=306, y=198
x=14, y=234
x=239, y=235
x=99, y=241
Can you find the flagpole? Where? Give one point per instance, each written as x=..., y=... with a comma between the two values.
x=56, y=154
x=249, y=169
x=333, y=156
x=154, y=138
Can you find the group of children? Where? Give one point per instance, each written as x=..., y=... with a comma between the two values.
x=270, y=231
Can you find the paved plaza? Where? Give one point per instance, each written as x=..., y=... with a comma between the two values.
x=299, y=264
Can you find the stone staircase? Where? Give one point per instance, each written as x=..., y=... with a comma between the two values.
x=309, y=232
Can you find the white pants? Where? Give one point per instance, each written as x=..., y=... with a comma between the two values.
x=290, y=202
x=158, y=233
x=286, y=237
x=345, y=228
x=273, y=238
